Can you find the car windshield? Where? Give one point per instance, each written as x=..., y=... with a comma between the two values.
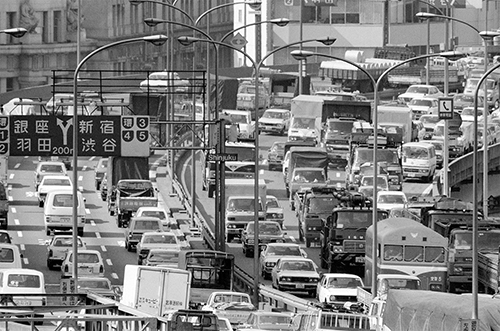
x=66, y=242
x=272, y=203
x=265, y=228
x=298, y=266
x=94, y=284
x=416, y=152
x=429, y=119
x=339, y=126
x=343, y=282
x=368, y=181
x=86, y=258
x=303, y=123
x=386, y=198
x=274, y=114
x=159, y=239
x=384, y=155
x=57, y=182
x=55, y=168
x=323, y=204
x=6, y=255
x=236, y=118
x=63, y=200
x=470, y=111
x=147, y=225
x=274, y=319
x=464, y=98
x=309, y=176
x=284, y=250
x=164, y=256
x=418, y=89
x=23, y=280
x=421, y=102
x=153, y=213
x=246, y=204
x=231, y=298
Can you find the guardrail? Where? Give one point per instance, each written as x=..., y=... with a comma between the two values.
x=243, y=281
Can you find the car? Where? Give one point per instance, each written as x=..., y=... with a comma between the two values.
x=461, y=100
x=149, y=240
x=103, y=190
x=418, y=130
x=275, y=156
x=295, y=274
x=267, y=320
x=468, y=114
x=181, y=239
x=243, y=120
x=420, y=90
x=335, y=289
x=422, y=106
x=45, y=168
x=269, y=232
x=275, y=251
x=274, y=211
x=275, y=120
x=59, y=246
x=90, y=263
x=438, y=147
x=382, y=182
x=158, y=212
x=429, y=121
x=98, y=285
x=100, y=172
x=164, y=81
x=137, y=227
x=387, y=200
x=162, y=257
x=184, y=224
x=51, y=183
x=5, y=237
x=224, y=324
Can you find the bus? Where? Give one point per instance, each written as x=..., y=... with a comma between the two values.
x=405, y=246
x=211, y=271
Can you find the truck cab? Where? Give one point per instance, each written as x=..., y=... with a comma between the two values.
x=239, y=212
x=243, y=120
x=132, y=194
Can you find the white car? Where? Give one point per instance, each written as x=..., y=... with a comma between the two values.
x=45, y=168
x=423, y=106
x=90, y=263
x=157, y=212
x=274, y=211
x=296, y=274
x=335, y=289
x=387, y=200
x=243, y=119
x=420, y=90
x=51, y=183
x=164, y=81
x=275, y=120
x=59, y=246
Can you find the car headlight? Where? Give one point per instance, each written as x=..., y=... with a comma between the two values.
x=435, y=287
x=270, y=264
x=332, y=298
x=250, y=241
x=313, y=280
x=458, y=270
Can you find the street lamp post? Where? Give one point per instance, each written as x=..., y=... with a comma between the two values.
x=301, y=55
x=156, y=40
x=15, y=32
x=189, y=40
x=475, y=207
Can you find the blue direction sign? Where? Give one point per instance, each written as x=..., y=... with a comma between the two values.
x=97, y=135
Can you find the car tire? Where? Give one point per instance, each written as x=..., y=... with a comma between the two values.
x=248, y=253
x=80, y=232
x=308, y=243
x=211, y=191
x=312, y=294
x=40, y=203
x=50, y=264
x=47, y=232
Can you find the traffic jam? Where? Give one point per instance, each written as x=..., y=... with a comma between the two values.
x=138, y=245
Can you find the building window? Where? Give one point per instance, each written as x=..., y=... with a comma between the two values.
x=11, y=21
x=57, y=26
x=45, y=27
x=10, y=84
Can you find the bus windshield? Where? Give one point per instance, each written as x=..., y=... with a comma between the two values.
x=414, y=253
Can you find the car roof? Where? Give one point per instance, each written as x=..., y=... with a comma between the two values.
x=152, y=209
x=283, y=244
x=346, y=275
x=50, y=163
x=391, y=193
x=296, y=258
x=158, y=233
x=23, y=271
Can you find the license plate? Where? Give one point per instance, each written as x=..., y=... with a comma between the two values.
x=299, y=286
x=85, y=270
x=65, y=220
x=360, y=259
x=411, y=174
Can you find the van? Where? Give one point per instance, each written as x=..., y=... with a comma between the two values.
x=419, y=160
x=10, y=256
x=25, y=281
x=58, y=211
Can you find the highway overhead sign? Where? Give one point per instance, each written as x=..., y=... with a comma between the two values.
x=445, y=108
x=47, y=135
x=238, y=41
x=222, y=157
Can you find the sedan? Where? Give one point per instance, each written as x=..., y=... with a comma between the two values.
x=97, y=285
x=334, y=289
x=387, y=200
x=90, y=263
x=269, y=232
x=162, y=257
x=150, y=240
x=164, y=81
x=266, y=320
x=274, y=211
x=296, y=274
x=423, y=106
x=275, y=121
x=52, y=183
x=46, y=168
x=275, y=251
x=275, y=156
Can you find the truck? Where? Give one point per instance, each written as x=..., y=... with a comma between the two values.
x=335, y=139
x=320, y=320
x=407, y=310
x=396, y=116
x=130, y=195
x=412, y=75
x=123, y=168
x=243, y=167
x=156, y=290
x=492, y=86
x=245, y=98
x=306, y=177
x=342, y=235
x=243, y=121
x=304, y=157
x=310, y=112
x=312, y=208
x=385, y=282
x=240, y=193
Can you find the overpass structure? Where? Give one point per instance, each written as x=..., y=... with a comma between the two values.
x=460, y=173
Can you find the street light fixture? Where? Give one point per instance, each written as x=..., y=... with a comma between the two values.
x=15, y=32
x=156, y=40
x=301, y=55
x=185, y=40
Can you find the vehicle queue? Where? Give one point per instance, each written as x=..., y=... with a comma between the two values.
x=313, y=279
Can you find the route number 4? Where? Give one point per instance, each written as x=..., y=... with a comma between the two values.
x=288, y=2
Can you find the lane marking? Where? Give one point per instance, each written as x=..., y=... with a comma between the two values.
x=92, y=223
x=20, y=234
x=26, y=261
x=13, y=210
x=109, y=262
x=16, y=222
x=114, y=275
x=23, y=247
x=17, y=165
x=103, y=248
x=98, y=235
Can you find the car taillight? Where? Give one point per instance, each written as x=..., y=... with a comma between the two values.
x=101, y=269
x=51, y=253
x=66, y=268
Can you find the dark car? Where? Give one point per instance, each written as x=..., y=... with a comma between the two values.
x=100, y=171
x=269, y=232
x=137, y=227
x=275, y=156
